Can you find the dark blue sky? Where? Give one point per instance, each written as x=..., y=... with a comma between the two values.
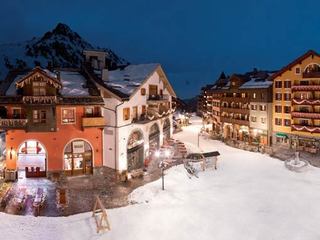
x=193, y=40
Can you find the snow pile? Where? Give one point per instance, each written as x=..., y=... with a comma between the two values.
x=251, y=196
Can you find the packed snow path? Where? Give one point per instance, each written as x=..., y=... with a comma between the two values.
x=250, y=196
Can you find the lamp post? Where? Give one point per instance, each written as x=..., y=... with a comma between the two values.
x=162, y=156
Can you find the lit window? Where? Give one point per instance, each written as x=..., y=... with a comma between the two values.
x=68, y=115
x=278, y=121
x=126, y=114
x=39, y=116
x=39, y=88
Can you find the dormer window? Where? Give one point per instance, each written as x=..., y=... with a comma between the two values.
x=39, y=88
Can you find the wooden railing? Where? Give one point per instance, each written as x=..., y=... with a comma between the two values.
x=13, y=123
x=93, y=122
x=40, y=99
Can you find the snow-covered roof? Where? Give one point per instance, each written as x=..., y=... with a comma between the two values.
x=130, y=78
x=12, y=90
x=73, y=84
x=256, y=83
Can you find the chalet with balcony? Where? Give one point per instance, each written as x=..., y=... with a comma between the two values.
x=138, y=107
x=53, y=122
x=296, y=103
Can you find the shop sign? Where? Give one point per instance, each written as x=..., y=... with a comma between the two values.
x=78, y=146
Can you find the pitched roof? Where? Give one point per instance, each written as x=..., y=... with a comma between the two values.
x=124, y=82
x=295, y=62
x=72, y=81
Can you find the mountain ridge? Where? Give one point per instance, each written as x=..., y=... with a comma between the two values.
x=60, y=47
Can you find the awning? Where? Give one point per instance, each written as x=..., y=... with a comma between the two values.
x=281, y=135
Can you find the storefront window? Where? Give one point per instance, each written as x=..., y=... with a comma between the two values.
x=78, y=157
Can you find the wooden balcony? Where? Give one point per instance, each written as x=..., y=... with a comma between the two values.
x=307, y=115
x=298, y=101
x=303, y=128
x=93, y=122
x=305, y=88
x=311, y=75
x=157, y=98
x=39, y=99
x=235, y=121
x=13, y=123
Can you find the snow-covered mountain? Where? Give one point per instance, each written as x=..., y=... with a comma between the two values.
x=60, y=47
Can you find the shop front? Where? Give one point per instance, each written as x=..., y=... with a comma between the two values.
x=78, y=158
x=135, y=151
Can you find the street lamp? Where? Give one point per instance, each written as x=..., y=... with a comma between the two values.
x=162, y=155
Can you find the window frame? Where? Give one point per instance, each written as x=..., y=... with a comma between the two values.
x=75, y=115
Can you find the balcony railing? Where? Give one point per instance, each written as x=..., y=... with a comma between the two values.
x=151, y=115
x=158, y=98
x=310, y=101
x=93, y=122
x=305, y=115
x=40, y=99
x=13, y=123
x=305, y=88
x=235, y=121
x=303, y=128
x=311, y=75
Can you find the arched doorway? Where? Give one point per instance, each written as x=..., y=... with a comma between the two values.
x=135, y=151
x=78, y=157
x=32, y=154
x=154, y=136
x=166, y=129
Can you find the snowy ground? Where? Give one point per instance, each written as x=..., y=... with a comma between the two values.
x=251, y=196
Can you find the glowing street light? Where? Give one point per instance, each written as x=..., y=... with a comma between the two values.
x=162, y=155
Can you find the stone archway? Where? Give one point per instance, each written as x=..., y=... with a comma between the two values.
x=32, y=154
x=135, y=150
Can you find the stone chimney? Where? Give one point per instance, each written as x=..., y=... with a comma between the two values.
x=105, y=74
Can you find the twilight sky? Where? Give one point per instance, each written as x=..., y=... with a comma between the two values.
x=193, y=40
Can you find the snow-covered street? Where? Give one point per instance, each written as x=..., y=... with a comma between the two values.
x=250, y=196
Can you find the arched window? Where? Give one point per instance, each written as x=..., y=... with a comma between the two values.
x=78, y=157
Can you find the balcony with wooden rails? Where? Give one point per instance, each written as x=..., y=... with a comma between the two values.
x=308, y=115
x=154, y=99
x=94, y=121
x=311, y=74
x=39, y=99
x=13, y=123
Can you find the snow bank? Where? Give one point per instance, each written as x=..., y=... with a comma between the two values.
x=250, y=196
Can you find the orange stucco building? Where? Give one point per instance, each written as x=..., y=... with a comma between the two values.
x=52, y=121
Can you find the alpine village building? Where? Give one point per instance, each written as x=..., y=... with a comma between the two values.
x=279, y=108
x=139, y=106
x=75, y=121
x=241, y=107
